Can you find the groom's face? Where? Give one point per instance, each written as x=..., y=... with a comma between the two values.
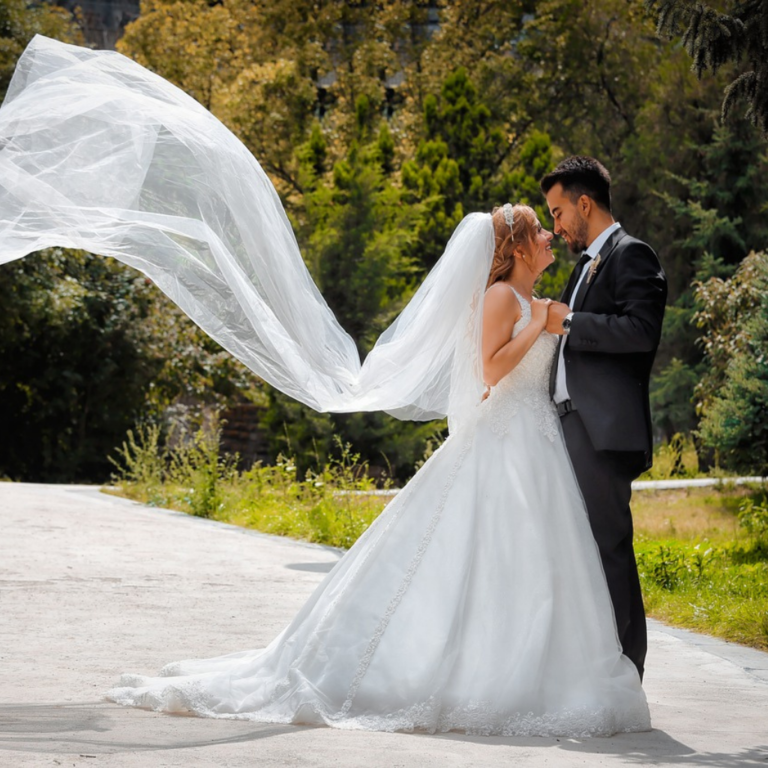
x=568, y=218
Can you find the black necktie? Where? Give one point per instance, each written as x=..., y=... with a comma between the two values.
x=577, y=270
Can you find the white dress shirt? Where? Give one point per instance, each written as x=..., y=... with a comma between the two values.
x=561, y=388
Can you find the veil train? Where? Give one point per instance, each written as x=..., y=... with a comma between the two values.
x=98, y=153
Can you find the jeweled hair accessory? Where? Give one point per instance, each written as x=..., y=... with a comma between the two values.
x=509, y=214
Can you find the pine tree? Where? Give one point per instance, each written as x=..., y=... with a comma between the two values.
x=714, y=39
x=465, y=163
x=359, y=230
x=356, y=234
x=721, y=218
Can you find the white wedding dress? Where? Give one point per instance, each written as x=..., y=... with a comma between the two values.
x=475, y=602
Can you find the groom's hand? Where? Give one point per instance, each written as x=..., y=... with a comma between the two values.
x=555, y=317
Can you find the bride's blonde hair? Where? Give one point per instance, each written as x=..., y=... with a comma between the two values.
x=522, y=234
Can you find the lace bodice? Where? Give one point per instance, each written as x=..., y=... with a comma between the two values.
x=527, y=384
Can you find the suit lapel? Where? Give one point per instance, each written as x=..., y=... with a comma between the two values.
x=604, y=254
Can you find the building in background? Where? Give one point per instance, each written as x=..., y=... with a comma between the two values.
x=102, y=21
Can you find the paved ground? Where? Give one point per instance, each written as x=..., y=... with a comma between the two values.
x=91, y=586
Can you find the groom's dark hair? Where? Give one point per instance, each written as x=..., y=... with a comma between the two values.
x=579, y=176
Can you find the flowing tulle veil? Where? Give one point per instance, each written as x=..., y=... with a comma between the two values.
x=98, y=153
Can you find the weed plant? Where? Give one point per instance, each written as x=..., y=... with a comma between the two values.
x=188, y=474
x=719, y=587
x=674, y=459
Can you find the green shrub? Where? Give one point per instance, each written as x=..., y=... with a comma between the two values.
x=331, y=506
x=753, y=517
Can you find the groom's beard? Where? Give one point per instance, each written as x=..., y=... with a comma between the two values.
x=578, y=235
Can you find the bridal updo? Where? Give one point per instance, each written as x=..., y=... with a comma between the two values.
x=522, y=233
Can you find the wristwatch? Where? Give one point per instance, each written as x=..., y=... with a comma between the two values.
x=567, y=320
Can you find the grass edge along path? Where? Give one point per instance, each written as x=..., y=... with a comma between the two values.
x=701, y=566
x=702, y=552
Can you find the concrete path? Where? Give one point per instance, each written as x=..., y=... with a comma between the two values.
x=91, y=586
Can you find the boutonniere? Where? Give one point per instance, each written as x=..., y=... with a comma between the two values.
x=593, y=268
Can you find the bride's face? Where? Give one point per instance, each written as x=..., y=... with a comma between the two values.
x=541, y=252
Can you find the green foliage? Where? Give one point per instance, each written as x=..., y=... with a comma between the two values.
x=675, y=458
x=753, y=517
x=141, y=460
x=86, y=346
x=20, y=21
x=672, y=398
x=456, y=167
x=360, y=231
x=196, y=465
x=189, y=475
x=720, y=590
x=669, y=566
x=190, y=463
x=713, y=38
x=734, y=394
x=73, y=366
x=724, y=206
x=720, y=215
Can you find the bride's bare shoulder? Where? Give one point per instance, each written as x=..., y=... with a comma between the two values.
x=501, y=296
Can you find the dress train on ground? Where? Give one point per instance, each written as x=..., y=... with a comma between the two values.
x=475, y=602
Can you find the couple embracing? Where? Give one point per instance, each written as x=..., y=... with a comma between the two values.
x=497, y=593
x=608, y=327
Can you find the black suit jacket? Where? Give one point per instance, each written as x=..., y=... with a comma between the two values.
x=613, y=340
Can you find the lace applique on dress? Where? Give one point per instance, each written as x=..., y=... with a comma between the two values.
x=527, y=385
x=479, y=718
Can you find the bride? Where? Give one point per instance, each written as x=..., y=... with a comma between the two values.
x=476, y=601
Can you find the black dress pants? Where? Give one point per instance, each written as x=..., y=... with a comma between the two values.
x=605, y=479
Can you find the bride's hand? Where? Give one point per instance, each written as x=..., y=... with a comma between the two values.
x=539, y=309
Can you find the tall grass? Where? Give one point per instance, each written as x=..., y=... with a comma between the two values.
x=188, y=474
x=716, y=583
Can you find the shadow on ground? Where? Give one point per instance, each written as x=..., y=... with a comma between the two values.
x=311, y=567
x=636, y=749
x=103, y=728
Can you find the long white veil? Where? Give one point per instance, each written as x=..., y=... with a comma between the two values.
x=98, y=153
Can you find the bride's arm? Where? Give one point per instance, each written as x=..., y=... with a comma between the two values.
x=501, y=353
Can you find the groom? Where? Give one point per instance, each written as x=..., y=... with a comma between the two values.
x=609, y=322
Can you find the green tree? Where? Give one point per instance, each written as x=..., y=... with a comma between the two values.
x=87, y=348
x=464, y=163
x=721, y=217
x=713, y=39
x=356, y=233
x=269, y=71
x=734, y=396
x=72, y=377
x=20, y=21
